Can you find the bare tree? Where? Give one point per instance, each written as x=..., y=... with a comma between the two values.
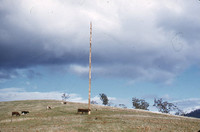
x=65, y=96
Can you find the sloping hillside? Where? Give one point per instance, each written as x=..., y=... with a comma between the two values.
x=64, y=117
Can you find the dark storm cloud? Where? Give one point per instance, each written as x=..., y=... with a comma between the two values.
x=20, y=48
x=133, y=39
x=22, y=56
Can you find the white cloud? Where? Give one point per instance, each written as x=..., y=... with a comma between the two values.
x=188, y=105
x=97, y=99
x=80, y=70
x=8, y=90
x=166, y=97
x=11, y=94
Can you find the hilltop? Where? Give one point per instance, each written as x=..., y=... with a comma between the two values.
x=64, y=117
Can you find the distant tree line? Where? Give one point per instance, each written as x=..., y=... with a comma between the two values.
x=160, y=104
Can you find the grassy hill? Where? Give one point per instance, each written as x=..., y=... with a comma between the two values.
x=64, y=117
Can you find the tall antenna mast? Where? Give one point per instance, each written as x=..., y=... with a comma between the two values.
x=90, y=69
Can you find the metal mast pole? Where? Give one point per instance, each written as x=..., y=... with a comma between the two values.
x=90, y=68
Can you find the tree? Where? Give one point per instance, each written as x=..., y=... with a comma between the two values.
x=65, y=96
x=140, y=104
x=104, y=99
x=165, y=107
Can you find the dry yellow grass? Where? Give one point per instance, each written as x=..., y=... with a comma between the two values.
x=64, y=117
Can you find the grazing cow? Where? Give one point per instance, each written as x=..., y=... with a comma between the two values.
x=15, y=113
x=24, y=112
x=83, y=110
x=48, y=107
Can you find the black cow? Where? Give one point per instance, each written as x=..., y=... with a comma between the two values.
x=24, y=112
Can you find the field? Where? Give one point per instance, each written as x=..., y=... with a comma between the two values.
x=64, y=117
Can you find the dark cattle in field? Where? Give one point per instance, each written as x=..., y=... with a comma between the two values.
x=24, y=112
x=83, y=110
x=15, y=113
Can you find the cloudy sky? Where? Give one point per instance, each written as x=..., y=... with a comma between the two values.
x=140, y=48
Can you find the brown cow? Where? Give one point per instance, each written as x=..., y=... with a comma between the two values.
x=15, y=113
x=83, y=110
